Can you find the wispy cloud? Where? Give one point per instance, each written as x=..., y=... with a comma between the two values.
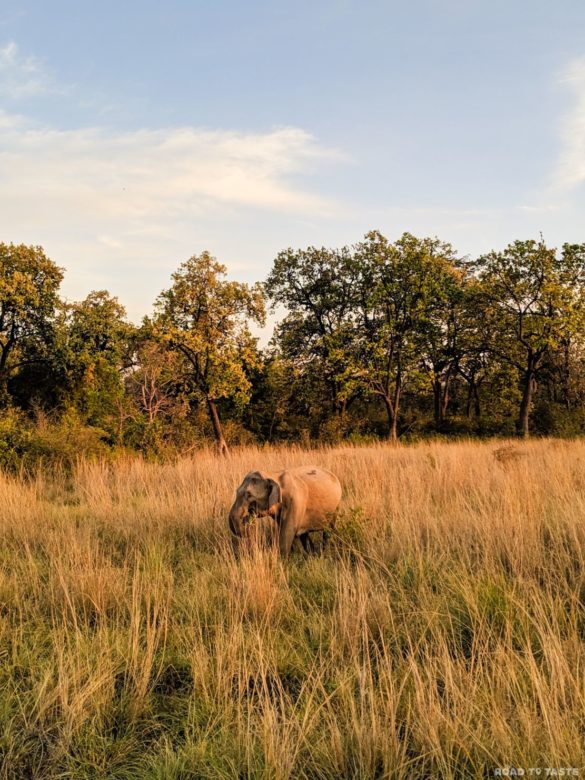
x=152, y=174
x=570, y=170
x=108, y=204
x=147, y=173
x=22, y=76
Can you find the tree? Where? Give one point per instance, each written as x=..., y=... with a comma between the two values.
x=442, y=328
x=157, y=388
x=97, y=354
x=317, y=288
x=532, y=300
x=474, y=359
x=402, y=288
x=283, y=404
x=29, y=284
x=204, y=317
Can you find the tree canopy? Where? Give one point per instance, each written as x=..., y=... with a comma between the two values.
x=381, y=338
x=203, y=317
x=29, y=284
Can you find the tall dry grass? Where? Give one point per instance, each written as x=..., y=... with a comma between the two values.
x=441, y=635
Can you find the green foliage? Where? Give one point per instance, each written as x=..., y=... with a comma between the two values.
x=554, y=419
x=204, y=318
x=396, y=339
x=532, y=303
x=29, y=282
x=158, y=396
x=405, y=298
x=317, y=287
x=30, y=443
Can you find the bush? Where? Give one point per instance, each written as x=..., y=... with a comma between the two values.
x=14, y=439
x=552, y=419
x=26, y=442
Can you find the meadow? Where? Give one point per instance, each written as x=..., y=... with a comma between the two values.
x=441, y=635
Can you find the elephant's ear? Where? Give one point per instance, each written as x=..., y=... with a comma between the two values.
x=275, y=495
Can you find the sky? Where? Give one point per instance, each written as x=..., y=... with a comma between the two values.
x=134, y=135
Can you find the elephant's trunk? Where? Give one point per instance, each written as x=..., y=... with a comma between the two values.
x=236, y=519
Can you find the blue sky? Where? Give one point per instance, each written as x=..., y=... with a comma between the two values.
x=134, y=135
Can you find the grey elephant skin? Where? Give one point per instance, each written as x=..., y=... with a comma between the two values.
x=300, y=500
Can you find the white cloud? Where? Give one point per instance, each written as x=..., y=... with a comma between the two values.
x=21, y=76
x=150, y=175
x=119, y=208
x=570, y=171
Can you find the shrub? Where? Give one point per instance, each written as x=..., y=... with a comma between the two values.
x=26, y=442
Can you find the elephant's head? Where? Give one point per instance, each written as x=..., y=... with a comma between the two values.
x=258, y=495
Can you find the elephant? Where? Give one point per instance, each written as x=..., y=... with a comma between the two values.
x=300, y=500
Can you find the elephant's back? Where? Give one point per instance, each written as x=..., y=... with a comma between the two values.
x=322, y=485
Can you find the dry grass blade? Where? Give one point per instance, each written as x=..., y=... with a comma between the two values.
x=440, y=636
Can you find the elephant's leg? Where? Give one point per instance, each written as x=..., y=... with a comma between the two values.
x=236, y=543
x=291, y=514
x=298, y=544
x=327, y=533
x=286, y=538
x=307, y=543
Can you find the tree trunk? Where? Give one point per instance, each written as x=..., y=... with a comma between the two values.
x=566, y=374
x=445, y=401
x=392, y=405
x=4, y=398
x=4, y=352
x=272, y=422
x=476, y=400
x=523, y=425
x=221, y=443
x=441, y=399
x=470, y=386
x=441, y=389
x=392, y=429
x=472, y=397
x=437, y=399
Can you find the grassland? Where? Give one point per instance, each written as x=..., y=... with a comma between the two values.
x=442, y=635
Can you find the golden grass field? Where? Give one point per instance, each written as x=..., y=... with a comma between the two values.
x=442, y=634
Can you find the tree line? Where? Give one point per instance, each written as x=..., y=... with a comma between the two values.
x=379, y=339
